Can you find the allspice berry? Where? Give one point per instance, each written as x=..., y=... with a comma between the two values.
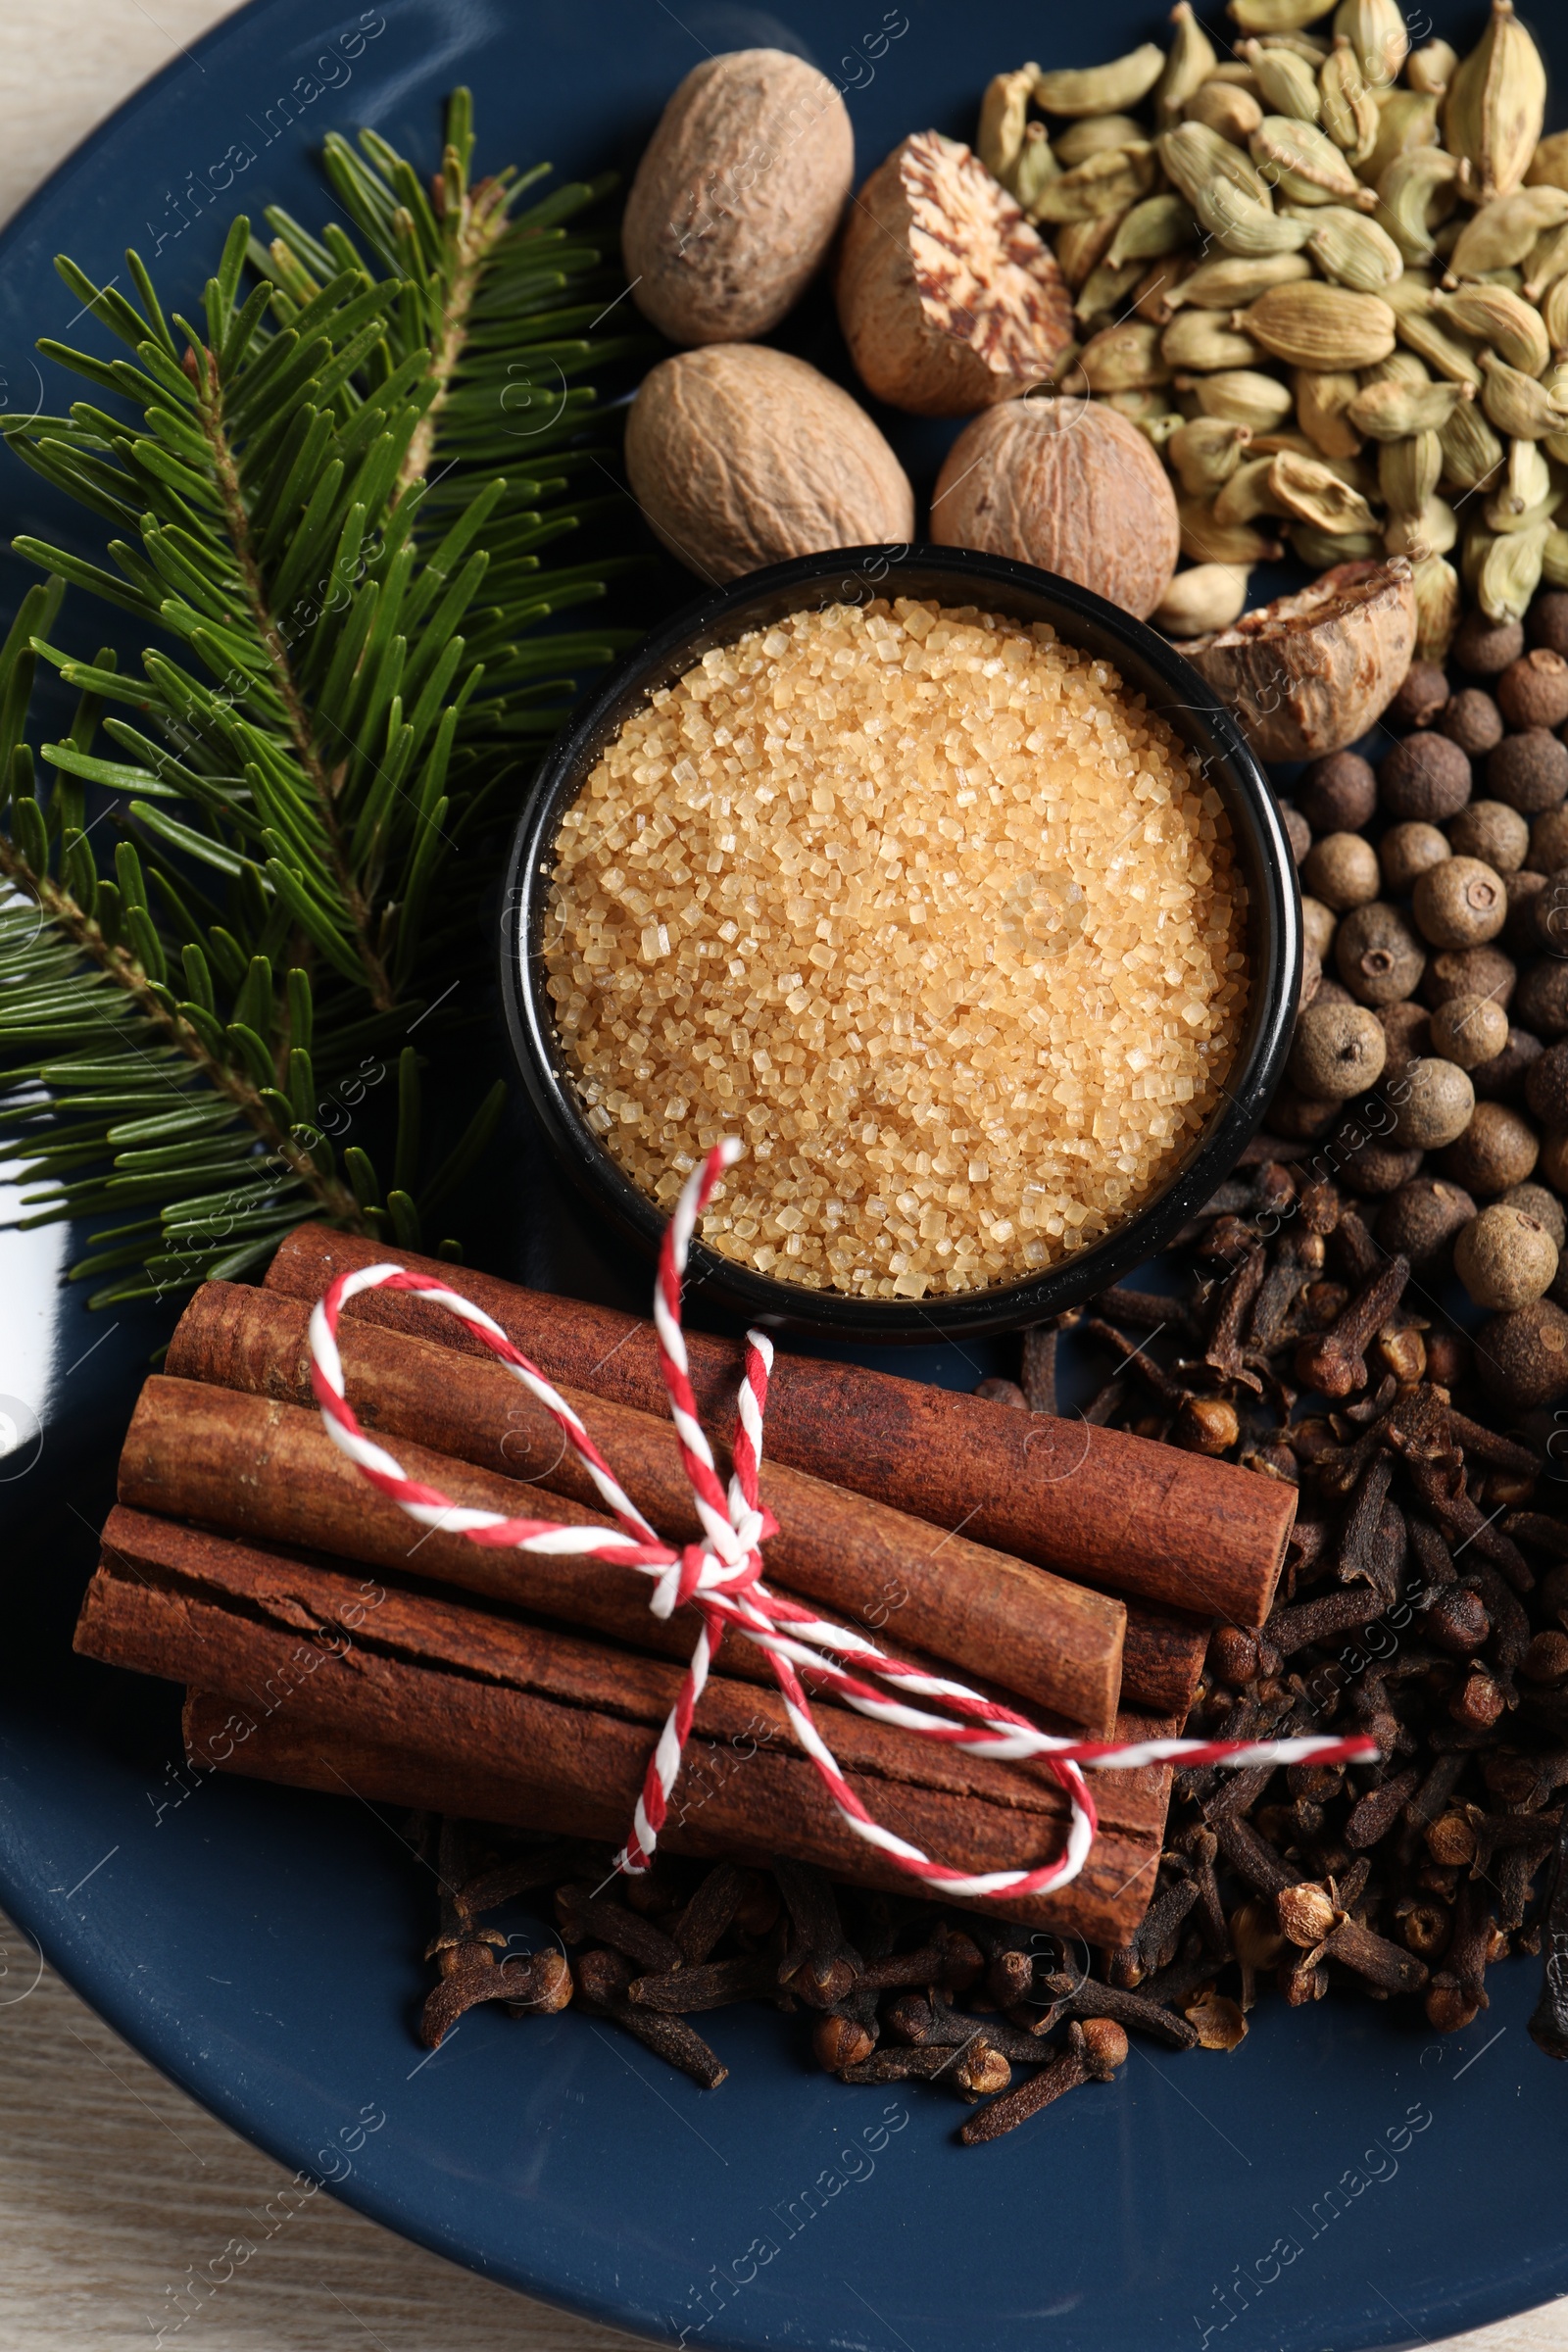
x=1317, y=925
x=1494, y=832
x=1518, y=933
x=1496, y=1150
x=1485, y=647
x=1502, y=1079
x=1548, y=842
x=1469, y=1030
x=1341, y=869
x=1378, y=956
x=1541, y=1003
x=1553, y=1163
x=1505, y=1258
x=1544, y=1205
x=1422, y=1217
x=1528, y=770
x=1433, y=1104
x=1547, y=621
x=1426, y=777
x=1550, y=914
x=1406, y=1033
x=1368, y=1169
x=1526, y=1356
x=1533, y=692
x=1406, y=851
x=1471, y=720
x=1459, y=903
x=1338, y=794
x=1546, y=1087
x=1298, y=1117
x=1300, y=833
x=1469, y=971
x=1339, y=1051
x=1420, y=698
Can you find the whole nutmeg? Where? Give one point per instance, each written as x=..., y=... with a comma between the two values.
x=1378, y=956
x=1432, y=1102
x=1338, y=794
x=1544, y=1205
x=1542, y=1001
x=1469, y=972
x=948, y=299
x=1317, y=926
x=1424, y=777
x=1505, y=1258
x=1502, y=1079
x=1297, y=832
x=1546, y=1087
x=741, y=456
x=1518, y=933
x=1421, y=697
x=1459, y=903
x=716, y=248
x=1406, y=851
x=1341, y=869
x=1422, y=1217
x=1073, y=488
x=1528, y=770
x=1494, y=832
x=1526, y=1356
x=1339, y=1051
x=1547, y=621
x=1471, y=720
x=1485, y=647
x=1498, y=1148
x=1406, y=1033
x=1533, y=692
x=1548, y=842
x=1469, y=1030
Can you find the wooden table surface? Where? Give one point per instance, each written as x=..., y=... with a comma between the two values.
x=114, y=2182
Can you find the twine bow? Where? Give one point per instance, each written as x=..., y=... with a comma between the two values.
x=721, y=1580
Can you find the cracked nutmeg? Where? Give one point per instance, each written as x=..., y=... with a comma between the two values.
x=1309, y=673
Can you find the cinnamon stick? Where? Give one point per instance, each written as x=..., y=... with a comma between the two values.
x=249, y=1464
x=1117, y=1510
x=414, y=1698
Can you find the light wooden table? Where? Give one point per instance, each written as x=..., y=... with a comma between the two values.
x=112, y=2181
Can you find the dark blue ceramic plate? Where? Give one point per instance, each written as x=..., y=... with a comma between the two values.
x=1342, y=2181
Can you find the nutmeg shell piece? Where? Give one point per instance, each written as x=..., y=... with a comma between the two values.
x=1069, y=485
x=948, y=300
x=737, y=197
x=741, y=456
x=1310, y=672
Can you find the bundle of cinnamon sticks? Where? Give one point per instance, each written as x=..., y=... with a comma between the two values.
x=519, y=1688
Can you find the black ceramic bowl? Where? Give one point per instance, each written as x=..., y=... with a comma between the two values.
x=1146, y=666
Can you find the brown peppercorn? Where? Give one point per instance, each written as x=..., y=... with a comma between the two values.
x=1432, y=1102
x=1420, y=698
x=1502, y=1079
x=1378, y=956
x=1484, y=646
x=1518, y=933
x=1493, y=831
x=1469, y=1030
x=1528, y=770
x=1421, y=1220
x=1533, y=692
x=840, y=2041
x=1478, y=1703
x=1406, y=851
x=1505, y=1258
x=1547, y=1659
x=1547, y=621
x=1297, y=831
x=1459, y=903
x=1497, y=1150
x=1469, y=972
x=1544, y=1206
x=1341, y=869
x=1104, y=2045
x=1456, y=1624
x=1472, y=720
x=1426, y=777
x=1546, y=1087
x=1339, y=1051
x=1406, y=1033
x=996, y=1391
x=1447, y=1358
x=1541, y=1003
x=1548, y=842
x=1207, y=1424
x=1339, y=794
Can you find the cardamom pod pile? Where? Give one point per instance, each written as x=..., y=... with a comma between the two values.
x=1327, y=276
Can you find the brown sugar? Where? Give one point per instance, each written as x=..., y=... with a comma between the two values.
x=932, y=913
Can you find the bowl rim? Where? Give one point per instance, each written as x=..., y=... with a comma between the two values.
x=860, y=574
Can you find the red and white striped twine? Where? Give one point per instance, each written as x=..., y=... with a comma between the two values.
x=721, y=1579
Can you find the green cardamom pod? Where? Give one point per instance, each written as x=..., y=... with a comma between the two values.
x=1472, y=453
x=1244, y=396
x=1311, y=491
x=1510, y=573
x=1247, y=494
x=1430, y=530
x=1109, y=89
x=1208, y=596
x=1437, y=608
x=1477, y=546
x=1548, y=166
x=1108, y=182
x=1206, y=452
x=1288, y=83
x=1421, y=332
x=1405, y=121
x=1352, y=250
x=1221, y=107
x=1517, y=404
x=1244, y=227
x=1555, y=315
x=1504, y=322
x=1036, y=168
x=1094, y=136
x=1554, y=558
x=1105, y=289
x=1276, y=15
x=1323, y=401
x=1082, y=246
x=1004, y=117
x=1303, y=163
x=1416, y=194
x=1159, y=432
x=1124, y=358
x=1378, y=38
x=1229, y=281
x=1502, y=232
x=1138, y=403
x=1161, y=224
x=1194, y=157
x=1204, y=540
x=1205, y=341
x=1317, y=325
x=1544, y=263
x=1321, y=550
x=1189, y=62
x=1389, y=410
x=1346, y=107
x=1526, y=483
x=1408, y=471
x=1496, y=104
x=1431, y=68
